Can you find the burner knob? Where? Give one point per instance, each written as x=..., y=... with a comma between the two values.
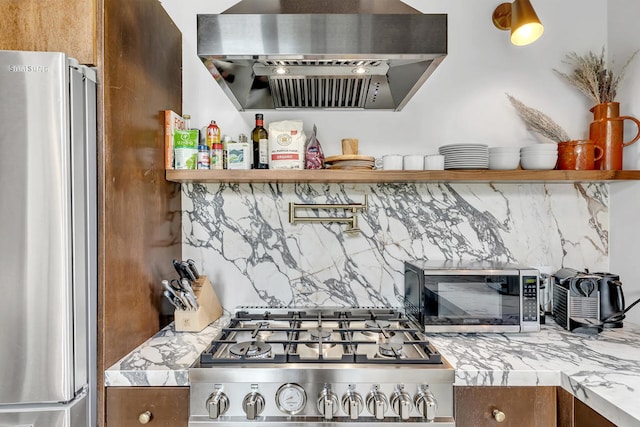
x=217, y=403
x=426, y=403
x=327, y=402
x=352, y=403
x=401, y=404
x=253, y=404
x=377, y=403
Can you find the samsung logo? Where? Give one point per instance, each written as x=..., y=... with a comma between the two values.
x=28, y=69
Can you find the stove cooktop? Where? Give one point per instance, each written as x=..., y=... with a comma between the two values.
x=319, y=335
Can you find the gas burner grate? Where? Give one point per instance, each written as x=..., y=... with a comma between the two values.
x=358, y=335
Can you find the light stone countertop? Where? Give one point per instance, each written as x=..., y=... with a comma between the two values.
x=601, y=370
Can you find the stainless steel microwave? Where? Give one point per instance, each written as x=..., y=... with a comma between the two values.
x=458, y=296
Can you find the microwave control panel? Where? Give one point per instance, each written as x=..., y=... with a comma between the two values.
x=530, y=299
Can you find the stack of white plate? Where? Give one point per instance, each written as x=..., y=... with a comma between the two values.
x=539, y=156
x=465, y=156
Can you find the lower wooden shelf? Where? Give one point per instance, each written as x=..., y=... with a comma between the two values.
x=376, y=176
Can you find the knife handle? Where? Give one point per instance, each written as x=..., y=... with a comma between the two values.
x=178, y=266
x=194, y=270
x=173, y=302
x=187, y=286
x=186, y=271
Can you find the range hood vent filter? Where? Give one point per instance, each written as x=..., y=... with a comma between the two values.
x=319, y=92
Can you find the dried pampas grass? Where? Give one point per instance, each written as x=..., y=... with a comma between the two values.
x=539, y=122
x=592, y=77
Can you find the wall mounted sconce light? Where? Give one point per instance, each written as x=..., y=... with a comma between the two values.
x=521, y=19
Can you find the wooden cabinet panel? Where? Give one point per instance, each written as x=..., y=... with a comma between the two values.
x=140, y=228
x=140, y=224
x=521, y=406
x=573, y=413
x=587, y=417
x=165, y=406
x=564, y=408
x=68, y=26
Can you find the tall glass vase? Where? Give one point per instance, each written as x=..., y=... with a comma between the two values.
x=607, y=132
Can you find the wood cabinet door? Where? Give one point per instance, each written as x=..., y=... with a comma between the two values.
x=584, y=416
x=574, y=413
x=565, y=408
x=161, y=406
x=68, y=26
x=519, y=406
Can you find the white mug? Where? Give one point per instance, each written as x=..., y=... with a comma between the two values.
x=390, y=162
x=413, y=162
x=434, y=162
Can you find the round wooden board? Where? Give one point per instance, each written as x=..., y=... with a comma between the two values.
x=348, y=157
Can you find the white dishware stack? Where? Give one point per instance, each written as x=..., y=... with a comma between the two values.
x=413, y=162
x=465, y=156
x=504, y=158
x=389, y=162
x=434, y=162
x=539, y=156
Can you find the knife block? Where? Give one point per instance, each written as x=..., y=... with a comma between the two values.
x=209, y=308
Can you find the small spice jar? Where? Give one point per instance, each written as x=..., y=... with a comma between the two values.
x=578, y=155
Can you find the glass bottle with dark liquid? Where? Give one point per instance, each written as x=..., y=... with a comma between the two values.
x=260, y=138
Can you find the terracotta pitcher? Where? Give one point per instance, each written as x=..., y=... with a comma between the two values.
x=606, y=131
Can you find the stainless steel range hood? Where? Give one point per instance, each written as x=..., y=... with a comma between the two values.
x=321, y=54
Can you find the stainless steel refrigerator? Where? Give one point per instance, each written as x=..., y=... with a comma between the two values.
x=48, y=233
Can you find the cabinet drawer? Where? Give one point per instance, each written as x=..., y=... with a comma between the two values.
x=163, y=406
x=505, y=406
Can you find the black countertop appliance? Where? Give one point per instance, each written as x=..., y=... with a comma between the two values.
x=596, y=297
x=611, y=300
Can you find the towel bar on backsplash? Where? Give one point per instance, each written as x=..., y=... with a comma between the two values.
x=351, y=221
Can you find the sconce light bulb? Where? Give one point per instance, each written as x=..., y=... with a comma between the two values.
x=527, y=34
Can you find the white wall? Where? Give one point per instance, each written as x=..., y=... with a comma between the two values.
x=625, y=197
x=464, y=100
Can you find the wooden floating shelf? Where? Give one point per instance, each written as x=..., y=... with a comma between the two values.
x=375, y=176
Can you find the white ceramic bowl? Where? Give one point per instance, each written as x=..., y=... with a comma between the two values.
x=504, y=161
x=539, y=161
x=503, y=150
x=539, y=148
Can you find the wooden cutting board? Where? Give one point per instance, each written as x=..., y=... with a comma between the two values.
x=348, y=157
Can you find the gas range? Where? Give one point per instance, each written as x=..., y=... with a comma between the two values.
x=334, y=366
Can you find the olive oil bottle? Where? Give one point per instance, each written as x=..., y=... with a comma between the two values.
x=260, y=138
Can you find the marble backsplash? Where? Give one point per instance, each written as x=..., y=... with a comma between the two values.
x=240, y=236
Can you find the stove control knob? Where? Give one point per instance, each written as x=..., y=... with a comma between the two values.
x=253, y=404
x=217, y=403
x=426, y=403
x=401, y=404
x=377, y=403
x=352, y=403
x=327, y=402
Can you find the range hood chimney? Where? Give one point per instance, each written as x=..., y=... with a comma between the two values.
x=321, y=54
